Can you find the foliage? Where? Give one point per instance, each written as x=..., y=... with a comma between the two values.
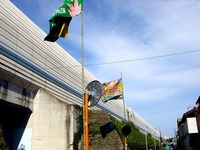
x=136, y=140
x=170, y=140
x=94, y=128
x=79, y=133
x=3, y=145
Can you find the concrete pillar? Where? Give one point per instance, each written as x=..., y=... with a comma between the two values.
x=51, y=123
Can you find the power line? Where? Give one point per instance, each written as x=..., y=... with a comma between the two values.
x=131, y=60
x=144, y=58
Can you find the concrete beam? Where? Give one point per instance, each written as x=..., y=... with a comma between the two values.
x=16, y=94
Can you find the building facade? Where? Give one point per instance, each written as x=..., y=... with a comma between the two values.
x=188, y=129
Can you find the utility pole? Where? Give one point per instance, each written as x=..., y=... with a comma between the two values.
x=146, y=138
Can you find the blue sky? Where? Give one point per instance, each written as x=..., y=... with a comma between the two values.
x=120, y=35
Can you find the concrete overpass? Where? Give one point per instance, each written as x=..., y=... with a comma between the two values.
x=40, y=87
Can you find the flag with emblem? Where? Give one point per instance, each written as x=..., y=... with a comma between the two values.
x=60, y=20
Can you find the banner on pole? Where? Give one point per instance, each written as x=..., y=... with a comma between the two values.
x=112, y=90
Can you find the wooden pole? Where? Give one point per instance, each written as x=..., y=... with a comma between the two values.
x=86, y=120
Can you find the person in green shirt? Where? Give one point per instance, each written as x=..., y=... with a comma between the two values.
x=166, y=147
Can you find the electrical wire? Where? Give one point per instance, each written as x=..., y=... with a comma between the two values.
x=132, y=60
x=144, y=58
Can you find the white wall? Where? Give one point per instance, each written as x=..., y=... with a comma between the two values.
x=51, y=123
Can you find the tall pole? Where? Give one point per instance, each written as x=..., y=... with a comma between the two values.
x=86, y=120
x=82, y=55
x=123, y=101
x=154, y=142
x=160, y=146
x=83, y=79
x=146, y=138
x=125, y=142
x=125, y=138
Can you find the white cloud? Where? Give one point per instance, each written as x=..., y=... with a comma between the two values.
x=127, y=30
x=185, y=78
x=149, y=95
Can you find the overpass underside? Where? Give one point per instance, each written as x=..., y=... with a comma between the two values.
x=32, y=118
x=15, y=107
x=13, y=117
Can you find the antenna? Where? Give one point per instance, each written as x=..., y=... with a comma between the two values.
x=94, y=92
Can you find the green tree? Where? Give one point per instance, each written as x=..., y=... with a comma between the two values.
x=3, y=145
x=136, y=139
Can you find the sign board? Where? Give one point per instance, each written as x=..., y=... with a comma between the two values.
x=192, y=125
x=26, y=139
